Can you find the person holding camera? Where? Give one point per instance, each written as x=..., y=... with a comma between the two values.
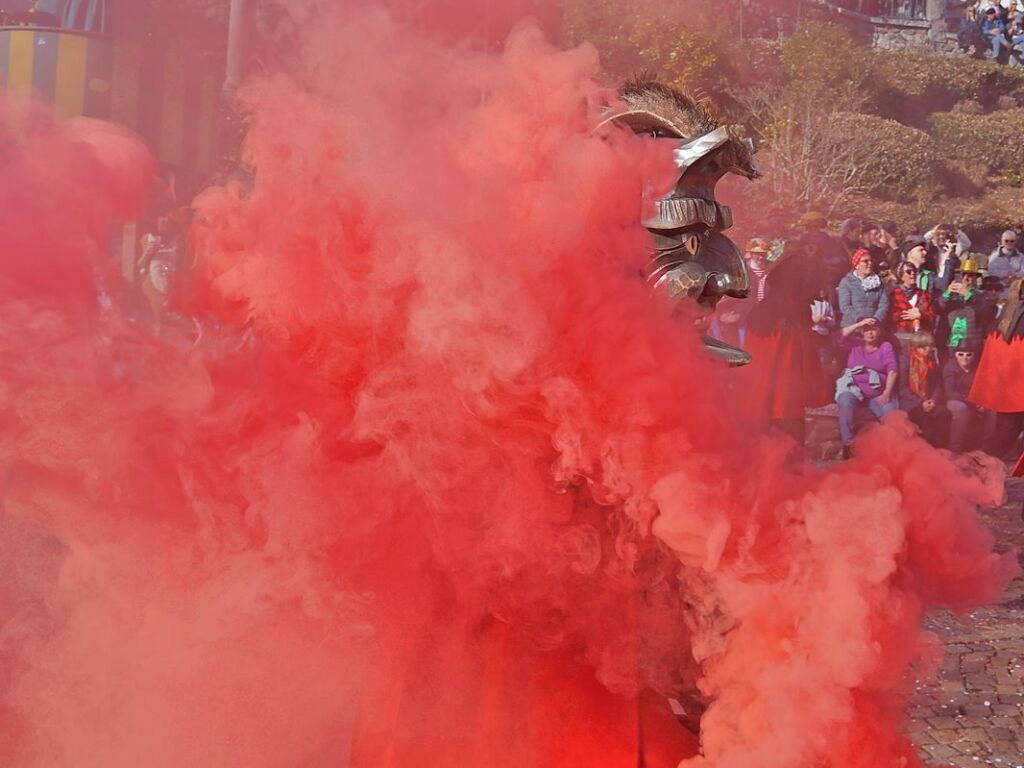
x=964, y=302
x=947, y=243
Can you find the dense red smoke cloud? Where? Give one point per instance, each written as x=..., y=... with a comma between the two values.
x=465, y=496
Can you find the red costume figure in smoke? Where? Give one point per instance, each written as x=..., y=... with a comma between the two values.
x=469, y=485
x=545, y=704
x=785, y=376
x=999, y=382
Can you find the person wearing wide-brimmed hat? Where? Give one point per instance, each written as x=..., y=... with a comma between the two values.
x=729, y=322
x=757, y=254
x=964, y=307
x=820, y=245
x=915, y=251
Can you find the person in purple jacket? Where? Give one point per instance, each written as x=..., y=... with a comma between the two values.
x=869, y=379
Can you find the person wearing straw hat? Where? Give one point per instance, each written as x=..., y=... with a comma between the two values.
x=964, y=307
x=757, y=262
x=729, y=322
x=1006, y=261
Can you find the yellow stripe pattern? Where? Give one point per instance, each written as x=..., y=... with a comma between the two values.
x=19, y=67
x=173, y=123
x=72, y=58
x=188, y=100
x=124, y=99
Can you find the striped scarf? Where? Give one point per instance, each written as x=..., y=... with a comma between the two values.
x=921, y=367
x=760, y=280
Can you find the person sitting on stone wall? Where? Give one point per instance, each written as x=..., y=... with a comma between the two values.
x=971, y=426
x=994, y=30
x=869, y=380
x=920, y=388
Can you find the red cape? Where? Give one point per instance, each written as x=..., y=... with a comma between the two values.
x=784, y=378
x=999, y=382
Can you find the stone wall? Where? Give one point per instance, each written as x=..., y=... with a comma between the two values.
x=896, y=34
x=910, y=35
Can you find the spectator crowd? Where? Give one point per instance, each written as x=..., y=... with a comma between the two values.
x=991, y=29
x=896, y=321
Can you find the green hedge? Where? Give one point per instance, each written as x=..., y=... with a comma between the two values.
x=983, y=217
x=909, y=86
x=900, y=161
x=994, y=141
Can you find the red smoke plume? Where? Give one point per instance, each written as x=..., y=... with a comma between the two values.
x=470, y=494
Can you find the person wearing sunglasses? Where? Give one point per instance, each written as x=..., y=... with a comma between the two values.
x=911, y=308
x=964, y=309
x=970, y=426
x=915, y=251
x=1006, y=261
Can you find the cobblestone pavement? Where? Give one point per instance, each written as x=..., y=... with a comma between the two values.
x=973, y=715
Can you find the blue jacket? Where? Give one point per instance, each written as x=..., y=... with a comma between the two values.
x=993, y=27
x=855, y=302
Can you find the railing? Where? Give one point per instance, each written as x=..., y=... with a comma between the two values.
x=904, y=9
x=80, y=15
x=912, y=10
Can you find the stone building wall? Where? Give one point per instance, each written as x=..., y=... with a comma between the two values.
x=910, y=35
x=897, y=34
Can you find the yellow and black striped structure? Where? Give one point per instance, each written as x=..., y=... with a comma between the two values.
x=170, y=97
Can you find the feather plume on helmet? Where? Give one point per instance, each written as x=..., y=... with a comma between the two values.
x=650, y=107
x=692, y=259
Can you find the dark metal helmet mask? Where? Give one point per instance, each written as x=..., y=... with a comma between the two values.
x=691, y=258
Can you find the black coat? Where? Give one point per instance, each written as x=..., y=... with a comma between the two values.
x=956, y=382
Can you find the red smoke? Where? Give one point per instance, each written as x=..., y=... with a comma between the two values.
x=470, y=494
